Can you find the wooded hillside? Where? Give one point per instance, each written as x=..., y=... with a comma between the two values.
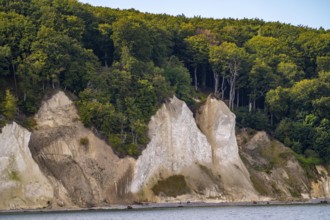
x=122, y=64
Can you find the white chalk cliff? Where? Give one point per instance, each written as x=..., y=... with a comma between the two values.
x=177, y=147
x=22, y=184
x=217, y=122
x=64, y=164
x=210, y=164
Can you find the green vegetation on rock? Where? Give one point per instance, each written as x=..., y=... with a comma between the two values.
x=14, y=175
x=84, y=141
x=172, y=186
x=9, y=105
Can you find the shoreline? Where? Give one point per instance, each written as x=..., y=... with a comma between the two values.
x=146, y=206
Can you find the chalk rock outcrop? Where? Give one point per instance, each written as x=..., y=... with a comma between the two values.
x=217, y=122
x=321, y=186
x=180, y=156
x=82, y=168
x=177, y=151
x=22, y=184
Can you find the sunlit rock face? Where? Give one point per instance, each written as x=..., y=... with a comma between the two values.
x=177, y=147
x=64, y=164
x=22, y=184
x=82, y=168
x=209, y=164
x=321, y=186
x=217, y=122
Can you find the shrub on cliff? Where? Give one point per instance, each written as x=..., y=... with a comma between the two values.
x=9, y=105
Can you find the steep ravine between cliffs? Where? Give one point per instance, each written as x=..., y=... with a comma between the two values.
x=64, y=164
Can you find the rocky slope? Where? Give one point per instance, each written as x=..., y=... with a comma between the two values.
x=22, y=184
x=274, y=170
x=83, y=169
x=186, y=159
x=276, y=173
x=320, y=187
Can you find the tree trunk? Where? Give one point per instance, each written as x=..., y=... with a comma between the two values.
x=232, y=81
x=216, y=82
x=204, y=76
x=232, y=92
x=14, y=73
x=195, y=77
x=123, y=134
x=134, y=136
x=237, y=99
x=271, y=119
x=223, y=87
x=105, y=59
x=242, y=97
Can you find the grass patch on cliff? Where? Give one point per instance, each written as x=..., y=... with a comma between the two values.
x=294, y=188
x=14, y=175
x=307, y=161
x=173, y=186
x=29, y=123
x=84, y=141
x=308, y=164
x=275, y=154
x=259, y=185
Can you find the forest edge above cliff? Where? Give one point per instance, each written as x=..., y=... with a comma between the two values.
x=123, y=64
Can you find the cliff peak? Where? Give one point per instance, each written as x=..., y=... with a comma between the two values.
x=59, y=110
x=217, y=122
x=177, y=147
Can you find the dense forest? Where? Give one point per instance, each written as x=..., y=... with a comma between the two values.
x=122, y=65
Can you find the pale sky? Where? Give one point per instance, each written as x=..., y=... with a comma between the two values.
x=311, y=13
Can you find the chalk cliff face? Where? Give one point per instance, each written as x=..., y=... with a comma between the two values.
x=82, y=168
x=186, y=159
x=177, y=148
x=217, y=122
x=321, y=186
x=209, y=166
x=22, y=184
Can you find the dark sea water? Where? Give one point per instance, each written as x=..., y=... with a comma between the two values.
x=280, y=212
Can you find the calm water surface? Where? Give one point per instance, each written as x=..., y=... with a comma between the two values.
x=290, y=212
